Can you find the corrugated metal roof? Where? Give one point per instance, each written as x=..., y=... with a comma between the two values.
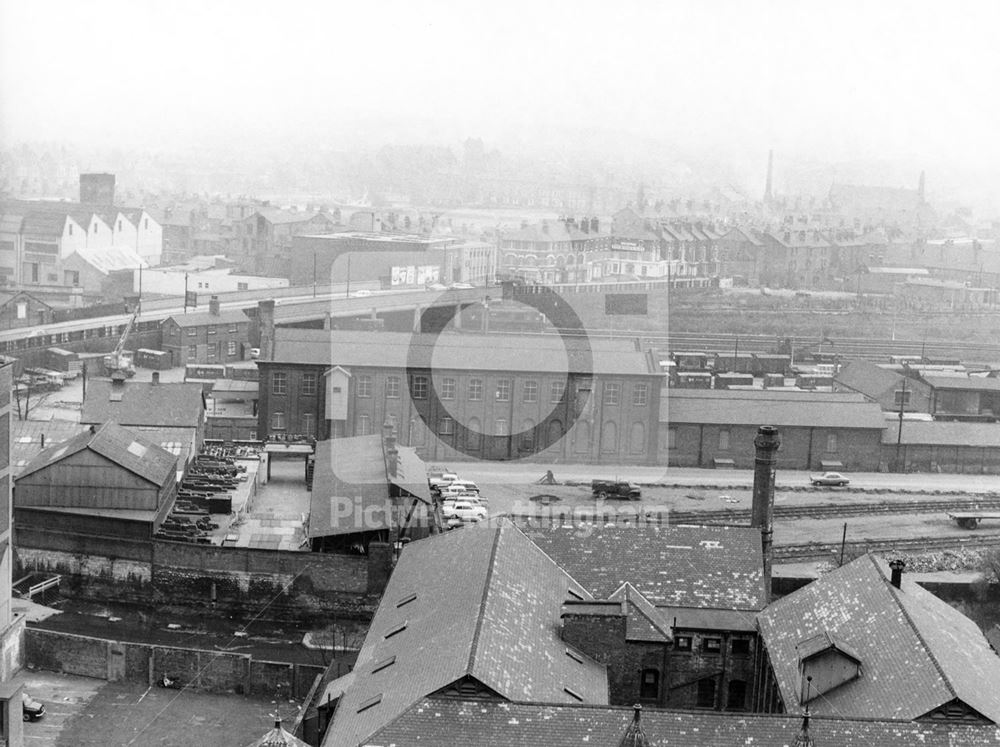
x=769, y=407
x=458, y=352
x=480, y=602
x=917, y=652
x=678, y=566
x=121, y=446
x=492, y=723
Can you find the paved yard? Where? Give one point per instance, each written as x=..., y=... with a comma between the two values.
x=84, y=712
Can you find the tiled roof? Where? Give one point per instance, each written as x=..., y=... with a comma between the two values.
x=678, y=566
x=917, y=653
x=452, y=721
x=788, y=409
x=644, y=622
x=123, y=447
x=457, y=352
x=171, y=405
x=477, y=602
x=203, y=318
x=867, y=378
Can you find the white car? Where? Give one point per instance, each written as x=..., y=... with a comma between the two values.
x=829, y=478
x=464, y=510
x=361, y=293
x=467, y=485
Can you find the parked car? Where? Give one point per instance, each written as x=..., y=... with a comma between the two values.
x=31, y=709
x=829, y=478
x=440, y=478
x=464, y=510
x=604, y=489
x=460, y=486
x=363, y=293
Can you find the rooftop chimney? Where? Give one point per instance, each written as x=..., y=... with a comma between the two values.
x=897, y=566
x=213, y=306
x=265, y=325
x=156, y=378
x=117, y=380
x=634, y=735
x=766, y=444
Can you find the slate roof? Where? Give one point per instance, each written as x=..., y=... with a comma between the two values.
x=644, y=622
x=484, y=603
x=204, y=318
x=26, y=439
x=967, y=383
x=457, y=352
x=453, y=721
x=120, y=445
x=942, y=433
x=677, y=566
x=868, y=378
x=781, y=409
x=917, y=652
x=165, y=404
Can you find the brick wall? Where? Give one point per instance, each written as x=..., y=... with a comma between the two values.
x=209, y=671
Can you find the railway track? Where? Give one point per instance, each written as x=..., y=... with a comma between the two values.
x=837, y=510
x=826, y=550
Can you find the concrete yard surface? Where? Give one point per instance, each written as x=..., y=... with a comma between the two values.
x=85, y=712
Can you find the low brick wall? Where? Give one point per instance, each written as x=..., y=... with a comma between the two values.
x=146, y=664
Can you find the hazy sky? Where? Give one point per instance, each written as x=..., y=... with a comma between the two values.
x=837, y=80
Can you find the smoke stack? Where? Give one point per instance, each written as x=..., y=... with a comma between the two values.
x=897, y=566
x=766, y=444
x=213, y=306
x=156, y=378
x=265, y=323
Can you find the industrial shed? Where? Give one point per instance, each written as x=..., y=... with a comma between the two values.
x=106, y=481
x=941, y=446
x=819, y=430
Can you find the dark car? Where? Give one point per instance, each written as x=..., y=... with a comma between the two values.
x=604, y=489
x=31, y=709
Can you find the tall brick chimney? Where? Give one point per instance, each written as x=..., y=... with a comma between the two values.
x=766, y=444
x=265, y=323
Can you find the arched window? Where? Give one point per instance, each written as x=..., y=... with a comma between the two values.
x=649, y=685
x=474, y=434
x=528, y=435
x=555, y=432
x=609, y=437
x=637, y=438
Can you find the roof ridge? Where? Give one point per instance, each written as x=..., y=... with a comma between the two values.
x=913, y=626
x=473, y=649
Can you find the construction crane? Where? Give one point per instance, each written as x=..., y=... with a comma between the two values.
x=118, y=360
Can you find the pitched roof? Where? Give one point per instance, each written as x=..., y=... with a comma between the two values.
x=942, y=433
x=867, y=378
x=203, y=318
x=917, y=652
x=485, y=723
x=123, y=447
x=110, y=258
x=676, y=566
x=478, y=602
x=142, y=403
x=458, y=352
x=781, y=409
x=26, y=439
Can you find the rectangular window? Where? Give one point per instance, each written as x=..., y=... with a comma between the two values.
x=212, y=330
x=242, y=286
x=503, y=390
x=530, y=391
x=557, y=391
x=364, y=386
x=392, y=387
x=612, y=393
x=309, y=423
x=448, y=388
x=419, y=388
x=192, y=352
x=278, y=421
x=231, y=348
x=741, y=646
x=192, y=331
x=475, y=390
x=279, y=382
x=711, y=645
x=501, y=427
x=724, y=440
x=831, y=442
x=640, y=395
x=22, y=310
x=901, y=398
x=446, y=427
x=233, y=328
x=682, y=643
x=309, y=384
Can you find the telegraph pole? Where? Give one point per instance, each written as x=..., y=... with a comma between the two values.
x=899, y=435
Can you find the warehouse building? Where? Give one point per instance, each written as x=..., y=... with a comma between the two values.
x=819, y=430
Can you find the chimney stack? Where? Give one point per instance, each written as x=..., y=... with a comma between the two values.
x=766, y=444
x=897, y=566
x=265, y=325
x=213, y=306
x=391, y=452
x=156, y=378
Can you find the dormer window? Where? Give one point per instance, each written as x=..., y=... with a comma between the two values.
x=825, y=663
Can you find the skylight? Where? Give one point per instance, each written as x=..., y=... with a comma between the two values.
x=137, y=449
